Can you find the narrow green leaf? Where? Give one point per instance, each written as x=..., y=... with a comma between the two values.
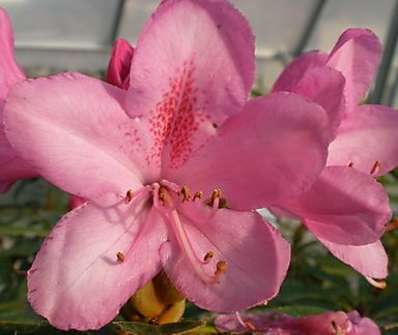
x=180, y=327
x=137, y=328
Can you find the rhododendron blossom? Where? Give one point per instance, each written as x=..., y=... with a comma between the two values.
x=274, y=323
x=346, y=208
x=172, y=169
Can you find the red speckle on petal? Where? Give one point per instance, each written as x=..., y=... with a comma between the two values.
x=176, y=118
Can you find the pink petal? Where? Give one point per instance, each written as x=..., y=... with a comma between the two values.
x=362, y=326
x=323, y=324
x=75, y=134
x=271, y=323
x=292, y=75
x=10, y=72
x=274, y=323
x=118, y=72
x=370, y=260
x=320, y=84
x=365, y=137
x=344, y=206
x=11, y=167
x=357, y=55
x=274, y=149
x=193, y=67
x=256, y=257
x=77, y=280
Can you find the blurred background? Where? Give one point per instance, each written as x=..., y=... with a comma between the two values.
x=77, y=35
x=58, y=35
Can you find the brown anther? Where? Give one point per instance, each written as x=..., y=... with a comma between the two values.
x=222, y=267
x=185, y=193
x=129, y=195
x=197, y=195
x=350, y=164
x=162, y=193
x=120, y=257
x=215, y=125
x=375, y=167
x=215, y=195
x=380, y=284
x=392, y=225
x=209, y=255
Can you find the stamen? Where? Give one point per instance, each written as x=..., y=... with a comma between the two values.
x=209, y=255
x=120, y=257
x=222, y=267
x=164, y=196
x=129, y=195
x=186, y=246
x=185, y=193
x=216, y=194
x=380, y=284
x=375, y=167
x=135, y=195
x=197, y=195
x=215, y=198
x=350, y=164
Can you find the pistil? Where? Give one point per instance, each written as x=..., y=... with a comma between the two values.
x=165, y=202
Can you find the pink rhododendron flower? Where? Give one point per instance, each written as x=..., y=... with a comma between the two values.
x=11, y=166
x=274, y=323
x=183, y=122
x=346, y=201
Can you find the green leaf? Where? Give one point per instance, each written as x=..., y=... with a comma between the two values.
x=181, y=327
x=15, y=231
x=178, y=328
x=137, y=328
x=22, y=327
x=298, y=310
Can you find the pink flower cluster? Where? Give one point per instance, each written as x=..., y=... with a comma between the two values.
x=172, y=159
